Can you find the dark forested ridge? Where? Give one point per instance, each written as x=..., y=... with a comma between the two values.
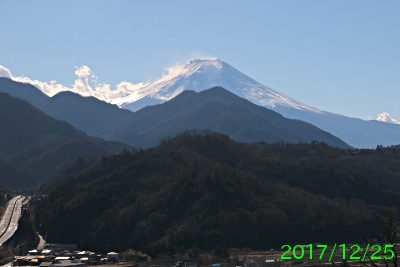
x=46, y=159
x=205, y=189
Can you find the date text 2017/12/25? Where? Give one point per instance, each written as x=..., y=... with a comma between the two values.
x=298, y=252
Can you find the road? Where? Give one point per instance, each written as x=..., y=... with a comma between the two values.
x=42, y=243
x=9, y=223
x=7, y=215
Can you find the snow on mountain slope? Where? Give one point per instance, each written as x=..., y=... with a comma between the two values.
x=199, y=75
x=203, y=74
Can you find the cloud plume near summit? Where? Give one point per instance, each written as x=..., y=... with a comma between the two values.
x=386, y=118
x=86, y=84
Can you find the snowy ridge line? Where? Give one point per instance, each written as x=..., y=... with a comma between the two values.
x=199, y=75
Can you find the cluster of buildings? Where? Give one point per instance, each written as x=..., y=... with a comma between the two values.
x=62, y=255
x=58, y=255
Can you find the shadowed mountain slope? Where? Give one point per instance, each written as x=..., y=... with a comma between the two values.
x=234, y=116
x=36, y=145
x=12, y=177
x=46, y=159
x=22, y=126
x=85, y=113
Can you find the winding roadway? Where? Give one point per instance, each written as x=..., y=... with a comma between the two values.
x=9, y=223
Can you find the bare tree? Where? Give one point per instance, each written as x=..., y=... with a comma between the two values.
x=386, y=236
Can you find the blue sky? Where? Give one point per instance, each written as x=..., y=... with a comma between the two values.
x=339, y=56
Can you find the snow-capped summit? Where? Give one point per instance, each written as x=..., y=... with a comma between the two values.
x=201, y=74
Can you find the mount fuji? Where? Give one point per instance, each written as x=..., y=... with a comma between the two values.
x=199, y=75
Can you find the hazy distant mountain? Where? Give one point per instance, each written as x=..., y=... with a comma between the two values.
x=199, y=75
x=356, y=132
x=88, y=114
x=85, y=113
x=219, y=110
x=24, y=91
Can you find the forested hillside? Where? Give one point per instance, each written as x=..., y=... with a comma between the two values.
x=203, y=188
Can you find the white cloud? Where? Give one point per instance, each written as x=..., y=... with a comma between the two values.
x=81, y=86
x=199, y=54
x=4, y=72
x=386, y=118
